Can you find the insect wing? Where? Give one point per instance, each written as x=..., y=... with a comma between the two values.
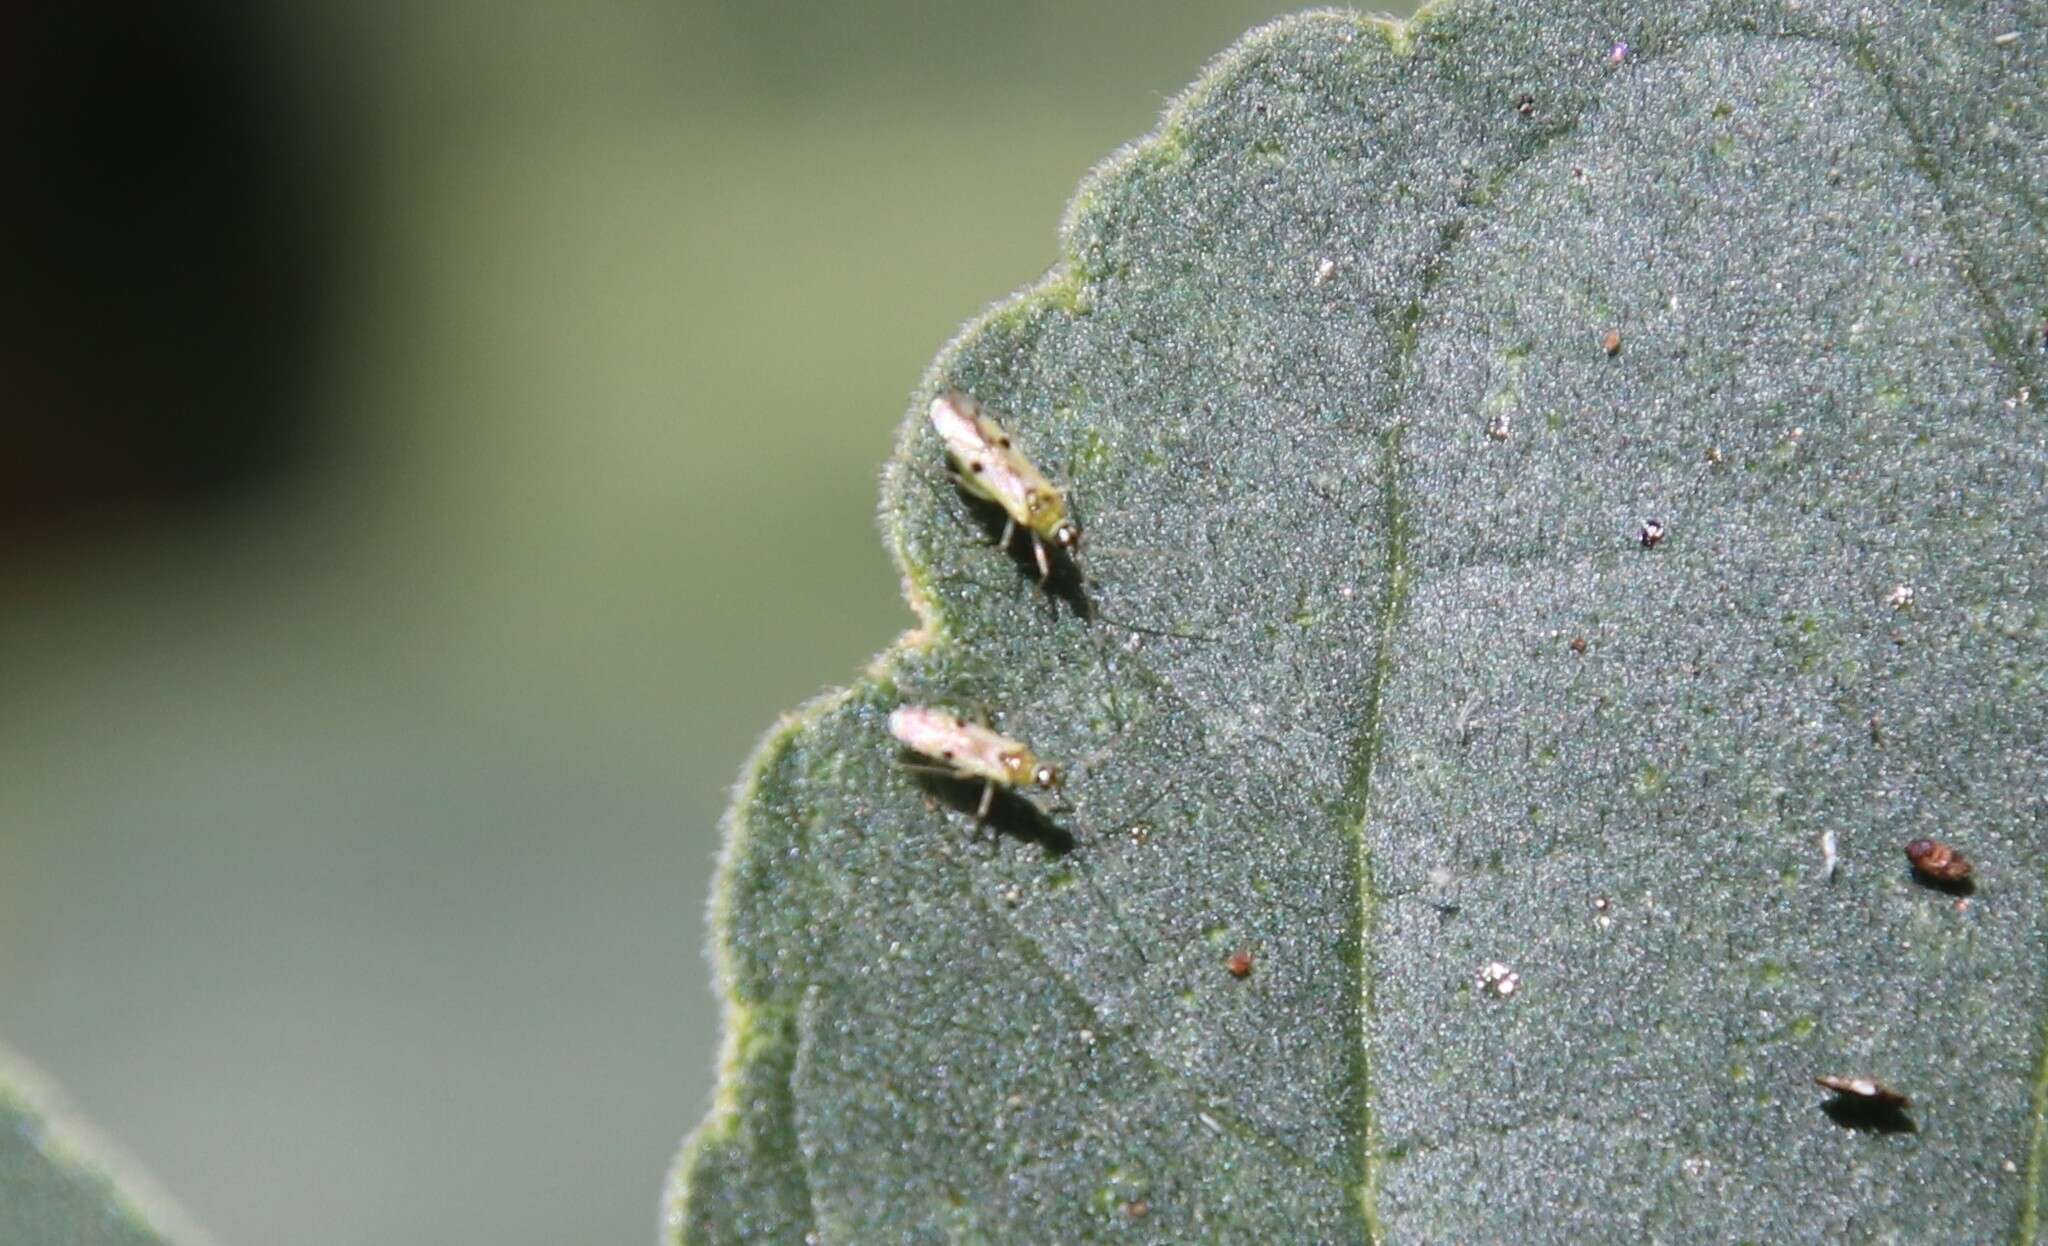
x=992, y=468
x=971, y=751
x=962, y=426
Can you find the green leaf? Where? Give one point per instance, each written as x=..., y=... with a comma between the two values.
x=55, y=1184
x=1326, y=366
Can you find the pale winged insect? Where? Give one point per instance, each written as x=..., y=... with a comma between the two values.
x=990, y=467
x=967, y=750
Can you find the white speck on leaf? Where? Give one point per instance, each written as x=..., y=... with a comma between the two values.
x=1499, y=979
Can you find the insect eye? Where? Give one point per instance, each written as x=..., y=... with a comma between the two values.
x=1067, y=535
x=1047, y=777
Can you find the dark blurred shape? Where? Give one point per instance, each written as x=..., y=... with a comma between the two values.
x=163, y=255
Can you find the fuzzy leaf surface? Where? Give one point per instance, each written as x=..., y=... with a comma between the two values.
x=53, y=1190
x=1327, y=366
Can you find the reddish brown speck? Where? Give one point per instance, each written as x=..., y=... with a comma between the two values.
x=1525, y=105
x=1612, y=342
x=1239, y=964
x=1935, y=860
x=1578, y=644
x=1137, y=1209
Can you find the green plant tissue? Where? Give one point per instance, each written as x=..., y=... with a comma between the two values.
x=57, y=1186
x=1563, y=493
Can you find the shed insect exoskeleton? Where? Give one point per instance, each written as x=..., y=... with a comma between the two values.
x=989, y=467
x=970, y=751
x=1867, y=1090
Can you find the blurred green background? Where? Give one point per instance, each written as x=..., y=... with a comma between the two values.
x=441, y=439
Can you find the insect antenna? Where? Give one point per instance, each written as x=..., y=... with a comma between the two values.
x=1116, y=916
x=1142, y=630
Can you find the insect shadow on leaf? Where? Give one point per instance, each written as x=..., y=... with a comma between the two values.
x=1009, y=812
x=1065, y=586
x=1947, y=886
x=1868, y=1116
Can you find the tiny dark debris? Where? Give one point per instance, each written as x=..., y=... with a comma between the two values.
x=1137, y=1209
x=1867, y=1089
x=1525, y=104
x=1239, y=963
x=1612, y=342
x=1578, y=644
x=1938, y=863
x=1651, y=534
x=1865, y=1104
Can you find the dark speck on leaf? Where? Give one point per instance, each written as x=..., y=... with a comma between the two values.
x=1239, y=964
x=1651, y=534
x=1938, y=862
x=1612, y=342
x=1578, y=644
x=1865, y=1104
x=1868, y=1089
x=1525, y=105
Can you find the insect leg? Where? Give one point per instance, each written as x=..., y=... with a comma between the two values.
x=1116, y=917
x=1044, y=563
x=988, y=800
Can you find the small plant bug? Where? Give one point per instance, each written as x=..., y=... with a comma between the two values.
x=989, y=467
x=970, y=751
